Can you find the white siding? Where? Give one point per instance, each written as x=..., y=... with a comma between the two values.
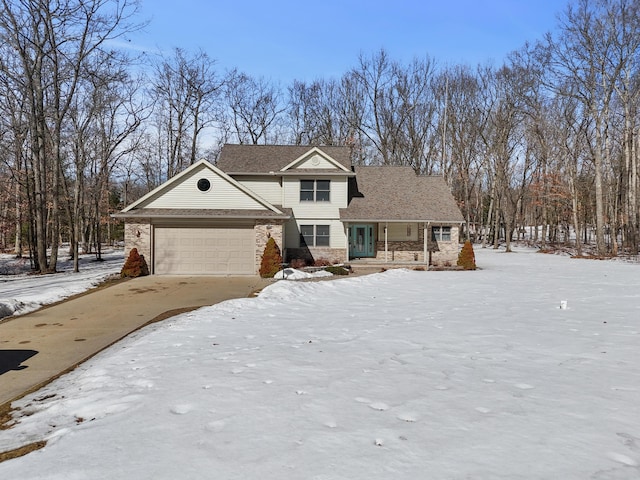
x=319, y=210
x=291, y=234
x=221, y=195
x=398, y=231
x=337, y=235
x=316, y=161
x=266, y=187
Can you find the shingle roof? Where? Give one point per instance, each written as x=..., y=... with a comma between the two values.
x=271, y=158
x=398, y=194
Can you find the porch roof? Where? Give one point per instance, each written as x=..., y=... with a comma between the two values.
x=397, y=194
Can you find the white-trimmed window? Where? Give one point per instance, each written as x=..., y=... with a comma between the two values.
x=441, y=234
x=315, y=190
x=314, y=235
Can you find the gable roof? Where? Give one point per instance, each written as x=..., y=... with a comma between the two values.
x=316, y=154
x=397, y=194
x=264, y=159
x=148, y=200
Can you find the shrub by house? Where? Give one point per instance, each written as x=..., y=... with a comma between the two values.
x=271, y=259
x=135, y=266
x=466, y=257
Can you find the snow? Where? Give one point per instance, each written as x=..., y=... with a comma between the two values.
x=295, y=274
x=397, y=375
x=23, y=293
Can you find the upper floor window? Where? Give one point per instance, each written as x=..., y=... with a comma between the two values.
x=315, y=190
x=441, y=234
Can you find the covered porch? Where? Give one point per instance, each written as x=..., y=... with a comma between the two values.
x=401, y=243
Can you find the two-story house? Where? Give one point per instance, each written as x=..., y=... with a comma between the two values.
x=217, y=219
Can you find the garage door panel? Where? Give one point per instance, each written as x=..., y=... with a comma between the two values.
x=204, y=251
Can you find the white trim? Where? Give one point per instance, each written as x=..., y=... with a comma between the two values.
x=386, y=243
x=348, y=237
x=404, y=220
x=317, y=151
x=426, y=244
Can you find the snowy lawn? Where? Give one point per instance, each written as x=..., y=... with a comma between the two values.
x=22, y=292
x=399, y=375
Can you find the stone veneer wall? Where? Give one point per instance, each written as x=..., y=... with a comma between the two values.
x=446, y=253
x=409, y=251
x=138, y=235
x=264, y=229
x=311, y=254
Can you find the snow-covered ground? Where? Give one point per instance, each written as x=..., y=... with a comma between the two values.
x=22, y=292
x=397, y=375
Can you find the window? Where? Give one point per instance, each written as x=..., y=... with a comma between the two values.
x=204, y=185
x=306, y=236
x=322, y=235
x=314, y=235
x=441, y=234
x=315, y=190
x=307, y=190
x=323, y=190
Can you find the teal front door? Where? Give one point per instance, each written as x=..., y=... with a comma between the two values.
x=361, y=241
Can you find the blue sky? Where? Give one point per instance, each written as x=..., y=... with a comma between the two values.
x=284, y=40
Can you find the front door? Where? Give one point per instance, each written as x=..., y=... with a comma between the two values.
x=361, y=241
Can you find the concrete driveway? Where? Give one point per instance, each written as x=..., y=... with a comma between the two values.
x=38, y=347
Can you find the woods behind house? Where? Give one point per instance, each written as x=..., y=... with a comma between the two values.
x=545, y=143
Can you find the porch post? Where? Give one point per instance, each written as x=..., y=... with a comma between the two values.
x=386, y=243
x=426, y=244
x=346, y=234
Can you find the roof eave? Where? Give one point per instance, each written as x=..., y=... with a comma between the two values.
x=397, y=220
x=290, y=173
x=194, y=216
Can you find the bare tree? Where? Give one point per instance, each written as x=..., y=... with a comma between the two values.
x=255, y=108
x=51, y=42
x=465, y=121
x=186, y=88
x=104, y=122
x=583, y=55
x=315, y=113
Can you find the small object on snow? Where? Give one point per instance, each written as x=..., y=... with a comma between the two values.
x=563, y=304
x=378, y=442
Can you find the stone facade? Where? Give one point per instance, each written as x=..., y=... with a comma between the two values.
x=445, y=254
x=400, y=251
x=265, y=229
x=138, y=235
x=311, y=254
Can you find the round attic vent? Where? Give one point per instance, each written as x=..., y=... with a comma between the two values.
x=204, y=185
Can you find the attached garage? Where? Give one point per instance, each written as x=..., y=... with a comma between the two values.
x=202, y=222
x=184, y=250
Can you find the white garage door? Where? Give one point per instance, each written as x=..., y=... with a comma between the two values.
x=204, y=251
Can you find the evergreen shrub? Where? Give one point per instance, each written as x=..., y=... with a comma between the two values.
x=337, y=270
x=135, y=265
x=271, y=259
x=466, y=257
